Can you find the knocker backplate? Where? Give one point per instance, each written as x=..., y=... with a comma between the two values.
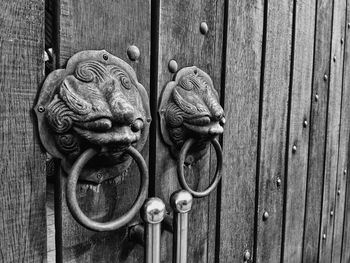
x=189, y=108
x=96, y=102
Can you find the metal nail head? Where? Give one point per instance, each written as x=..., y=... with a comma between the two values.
x=172, y=66
x=203, y=28
x=265, y=215
x=133, y=52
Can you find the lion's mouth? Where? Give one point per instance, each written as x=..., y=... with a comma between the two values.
x=213, y=128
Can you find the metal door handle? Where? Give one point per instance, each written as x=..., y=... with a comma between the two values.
x=190, y=118
x=95, y=110
x=181, y=174
x=153, y=215
x=72, y=201
x=181, y=202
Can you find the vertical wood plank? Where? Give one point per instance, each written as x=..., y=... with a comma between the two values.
x=298, y=141
x=332, y=141
x=113, y=26
x=179, y=38
x=22, y=166
x=240, y=141
x=343, y=153
x=318, y=118
x=345, y=163
x=273, y=130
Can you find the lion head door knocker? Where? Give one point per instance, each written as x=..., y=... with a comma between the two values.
x=190, y=118
x=94, y=116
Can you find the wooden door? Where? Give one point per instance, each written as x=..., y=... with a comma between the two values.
x=280, y=68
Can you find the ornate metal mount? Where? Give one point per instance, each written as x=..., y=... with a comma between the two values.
x=190, y=108
x=96, y=102
x=191, y=117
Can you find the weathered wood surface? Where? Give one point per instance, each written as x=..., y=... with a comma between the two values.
x=113, y=26
x=273, y=129
x=344, y=133
x=22, y=166
x=240, y=141
x=332, y=141
x=298, y=134
x=344, y=162
x=179, y=38
x=318, y=118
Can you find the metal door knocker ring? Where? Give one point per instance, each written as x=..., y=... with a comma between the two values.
x=181, y=174
x=72, y=201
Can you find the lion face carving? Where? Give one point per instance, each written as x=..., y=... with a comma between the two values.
x=190, y=108
x=95, y=102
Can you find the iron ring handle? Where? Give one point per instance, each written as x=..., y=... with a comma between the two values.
x=181, y=173
x=72, y=201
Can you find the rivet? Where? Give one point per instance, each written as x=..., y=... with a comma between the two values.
x=41, y=109
x=246, y=255
x=325, y=77
x=348, y=25
x=324, y=236
x=334, y=58
x=332, y=213
x=338, y=192
x=278, y=181
x=305, y=123
x=316, y=97
x=203, y=28
x=342, y=40
x=133, y=52
x=345, y=171
x=265, y=215
x=46, y=56
x=105, y=56
x=172, y=66
x=294, y=148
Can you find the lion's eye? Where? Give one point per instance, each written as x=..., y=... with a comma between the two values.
x=125, y=82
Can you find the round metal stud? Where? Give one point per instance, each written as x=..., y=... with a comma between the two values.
x=204, y=28
x=133, y=52
x=41, y=109
x=334, y=58
x=345, y=171
x=348, y=25
x=153, y=211
x=325, y=77
x=278, y=181
x=316, y=97
x=105, y=56
x=246, y=255
x=342, y=41
x=181, y=201
x=324, y=236
x=332, y=213
x=294, y=148
x=265, y=215
x=172, y=66
x=305, y=123
x=338, y=192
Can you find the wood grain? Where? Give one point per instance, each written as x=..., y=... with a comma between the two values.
x=318, y=118
x=240, y=140
x=179, y=38
x=332, y=141
x=273, y=129
x=343, y=154
x=301, y=87
x=22, y=166
x=113, y=26
x=344, y=162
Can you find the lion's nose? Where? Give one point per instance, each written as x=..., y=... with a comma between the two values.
x=137, y=125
